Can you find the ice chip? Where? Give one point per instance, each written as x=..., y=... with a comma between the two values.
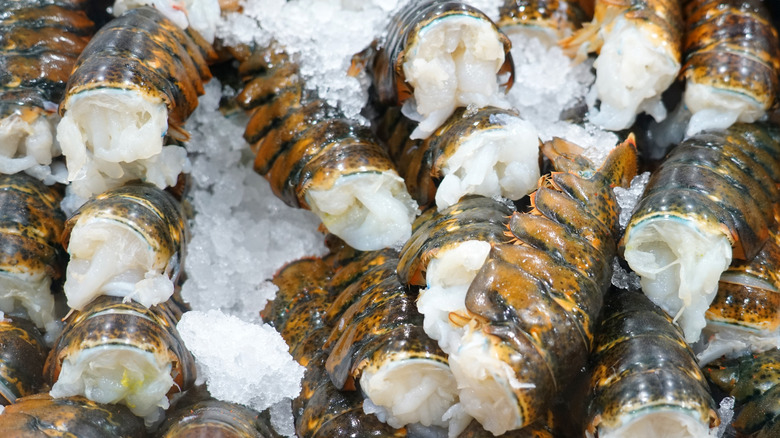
x=241, y=362
x=628, y=198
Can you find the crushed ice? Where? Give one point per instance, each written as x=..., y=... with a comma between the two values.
x=240, y=362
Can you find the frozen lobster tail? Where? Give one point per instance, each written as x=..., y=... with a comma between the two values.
x=639, y=56
x=299, y=314
x=732, y=61
x=547, y=20
x=437, y=56
x=378, y=343
x=644, y=381
x=124, y=353
x=444, y=254
x=128, y=242
x=752, y=379
x=22, y=361
x=40, y=44
x=32, y=260
x=489, y=152
x=315, y=158
x=533, y=305
x=42, y=415
x=744, y=316
x=197, y=414
x=712, y=200
x=136, y=82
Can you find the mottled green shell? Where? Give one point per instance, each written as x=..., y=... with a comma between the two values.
x=556, y=15
x=749, y=291
x=67, y=417
x=752, y=379
x=108, y=321
x=31, y=225
x=641, y=364
x=300, y=143
x=722, y=182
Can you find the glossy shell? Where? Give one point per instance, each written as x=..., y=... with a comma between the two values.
x=536, y=301
x=473, y=218
x=31, y=225
x=145, y=52
x=641, y=364
x=22, y=357
x=404, y=29
x=559, y=16
x=67, y=417
x=732, y=47
x=152, y=213
x=39, y=44
x=108, y=321
x=752, y=379
x=724, y=182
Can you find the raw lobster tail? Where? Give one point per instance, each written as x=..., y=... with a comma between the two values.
x=712, y=199
x=752, y=379
x=550, y=20
x=644, y=377
x=639, y=46
x=130, y=242
x=40, y=44
x=31, y=256
x=21, y=364
x=468, y=51
x=42, y=415
x=321, y=410
x=732, y=62
x=316, y=158
x=138, y=80
x=378, y=341
x=531, y=308
x=745, y=313
x=489, y=152
x=116, y=352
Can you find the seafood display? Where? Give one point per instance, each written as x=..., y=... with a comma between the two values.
x=752, y=380
x=39, y=46
x=32, y=260
x=644, y=379
x=315, y=158
x=128, y=242
x=492, y=152
x=639, y=56
x=63, y=417
x=460, y=280
x=117, y=352
x=732, y=61
x=712, y=200
x=134, y=84
x=437, y=56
